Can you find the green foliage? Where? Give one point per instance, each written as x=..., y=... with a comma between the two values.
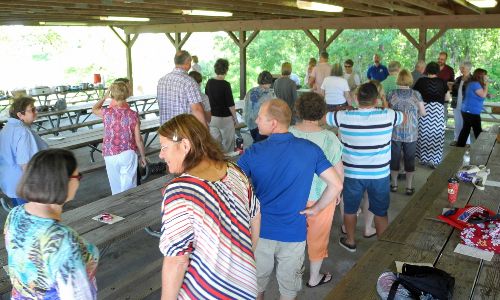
x=271, y=48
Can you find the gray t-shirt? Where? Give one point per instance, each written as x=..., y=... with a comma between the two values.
x=286, y=89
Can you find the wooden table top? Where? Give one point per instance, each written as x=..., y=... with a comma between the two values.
x=417, y=236
x=94, y=136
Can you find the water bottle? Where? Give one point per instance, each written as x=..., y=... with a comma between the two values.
x=466, y=160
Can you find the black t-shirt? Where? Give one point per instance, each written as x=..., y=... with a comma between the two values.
x=431, y=89
x=221, y=97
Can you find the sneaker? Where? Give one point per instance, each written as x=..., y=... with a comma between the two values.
x=345, y=245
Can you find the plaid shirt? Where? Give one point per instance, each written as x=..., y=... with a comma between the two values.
x=176, y=92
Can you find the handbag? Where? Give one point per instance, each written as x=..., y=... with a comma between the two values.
x=416, y=282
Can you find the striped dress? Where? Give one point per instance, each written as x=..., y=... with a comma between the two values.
x=430, y=141
x=210, y=221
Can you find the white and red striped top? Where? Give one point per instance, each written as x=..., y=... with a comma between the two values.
x=210, y=220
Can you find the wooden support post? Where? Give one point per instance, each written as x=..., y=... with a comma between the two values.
x=423, y=44
x=242, y=41
x=177, y=40
x=128, y=42
x=322, y=43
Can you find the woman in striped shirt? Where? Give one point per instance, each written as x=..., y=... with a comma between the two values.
x=210, y=218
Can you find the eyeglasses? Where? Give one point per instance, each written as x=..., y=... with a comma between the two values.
x=78, y=177
x=33, y=110
x=347, y=66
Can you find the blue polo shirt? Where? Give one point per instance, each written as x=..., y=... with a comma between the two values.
x=379, y=73
x=473, y=104
x=18, y=143
x=282, y=168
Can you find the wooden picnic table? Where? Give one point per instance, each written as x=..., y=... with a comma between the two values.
x=93, y=138
x=78, y=114
x=416, y=235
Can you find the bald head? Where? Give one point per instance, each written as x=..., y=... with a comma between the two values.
x=274, y=117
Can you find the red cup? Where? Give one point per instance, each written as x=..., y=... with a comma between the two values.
x=452, y=190
x=97, y=78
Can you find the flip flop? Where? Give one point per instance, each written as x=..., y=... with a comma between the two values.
x=369, y=236
x=322, y=281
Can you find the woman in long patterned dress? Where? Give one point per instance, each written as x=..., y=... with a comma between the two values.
x=210, y=218
x=430, y=141
x=48, y=260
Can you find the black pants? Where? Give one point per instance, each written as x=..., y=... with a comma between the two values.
x=470, y=120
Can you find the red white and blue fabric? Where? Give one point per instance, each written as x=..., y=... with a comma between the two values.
x=210, y=221
x=119, y=126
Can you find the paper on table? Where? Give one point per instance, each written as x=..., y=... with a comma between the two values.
x=399, y=265
x=56, y=138
x=112, y=220
x=474, y=252
x=492, y=183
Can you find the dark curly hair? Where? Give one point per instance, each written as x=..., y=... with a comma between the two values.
x=432, y=68
x=221, y=66
x=310, y=106
x=265, y=77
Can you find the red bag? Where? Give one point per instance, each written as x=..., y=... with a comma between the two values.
x=485, y=236
x=459, y=217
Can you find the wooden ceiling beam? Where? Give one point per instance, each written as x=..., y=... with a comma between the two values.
x=469, y=6
x=391, y=6
x=429, y=5
x=454, y=21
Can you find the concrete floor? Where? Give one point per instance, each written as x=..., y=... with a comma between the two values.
x=124, y=257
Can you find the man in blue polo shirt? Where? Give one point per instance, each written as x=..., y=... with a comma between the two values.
x=281, y=169
x=377, y=71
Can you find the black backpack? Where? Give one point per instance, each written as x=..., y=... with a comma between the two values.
x=421, y=280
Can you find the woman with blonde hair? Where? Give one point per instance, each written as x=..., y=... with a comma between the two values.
x=404, y=137
x=210, y=218
x=122, y=139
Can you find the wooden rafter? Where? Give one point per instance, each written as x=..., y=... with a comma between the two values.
x=429, y=5
x=454, y=21
x=392, y=6
x=469, y=6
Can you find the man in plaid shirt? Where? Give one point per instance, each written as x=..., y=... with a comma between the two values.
x=177, y=93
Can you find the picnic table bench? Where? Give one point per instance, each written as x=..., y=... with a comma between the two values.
x=416, y=235
x=93, y=138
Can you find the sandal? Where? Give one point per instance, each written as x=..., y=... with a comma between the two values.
x=394, y=188
x=324, y=279
x=410, y=191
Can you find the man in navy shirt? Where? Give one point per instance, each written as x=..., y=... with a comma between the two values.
x=377, y=71
x=281, y=169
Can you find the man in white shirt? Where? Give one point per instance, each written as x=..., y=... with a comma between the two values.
x=320, y=72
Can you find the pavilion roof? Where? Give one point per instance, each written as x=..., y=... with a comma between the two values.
x=169, y=12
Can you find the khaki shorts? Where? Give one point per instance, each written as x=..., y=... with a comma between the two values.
x=290, y=265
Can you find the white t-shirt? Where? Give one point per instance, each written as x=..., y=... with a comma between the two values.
x=334, y=88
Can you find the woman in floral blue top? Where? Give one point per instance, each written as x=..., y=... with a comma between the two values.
x=48, y=260
x=404, y=137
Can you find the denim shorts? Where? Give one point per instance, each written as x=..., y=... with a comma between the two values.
x=378, y=195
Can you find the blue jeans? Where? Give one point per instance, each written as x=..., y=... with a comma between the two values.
x=378, y=195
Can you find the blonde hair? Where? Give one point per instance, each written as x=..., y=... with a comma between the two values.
x=286, y=68
x=404, y=78
x=119, y=91
x=380, y=88
x=278, y=110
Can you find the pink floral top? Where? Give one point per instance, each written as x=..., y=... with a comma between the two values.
x=119, y=125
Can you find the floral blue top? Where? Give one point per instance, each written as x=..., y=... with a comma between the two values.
x=253, y=101
x=48, y=260
x=405, y=100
